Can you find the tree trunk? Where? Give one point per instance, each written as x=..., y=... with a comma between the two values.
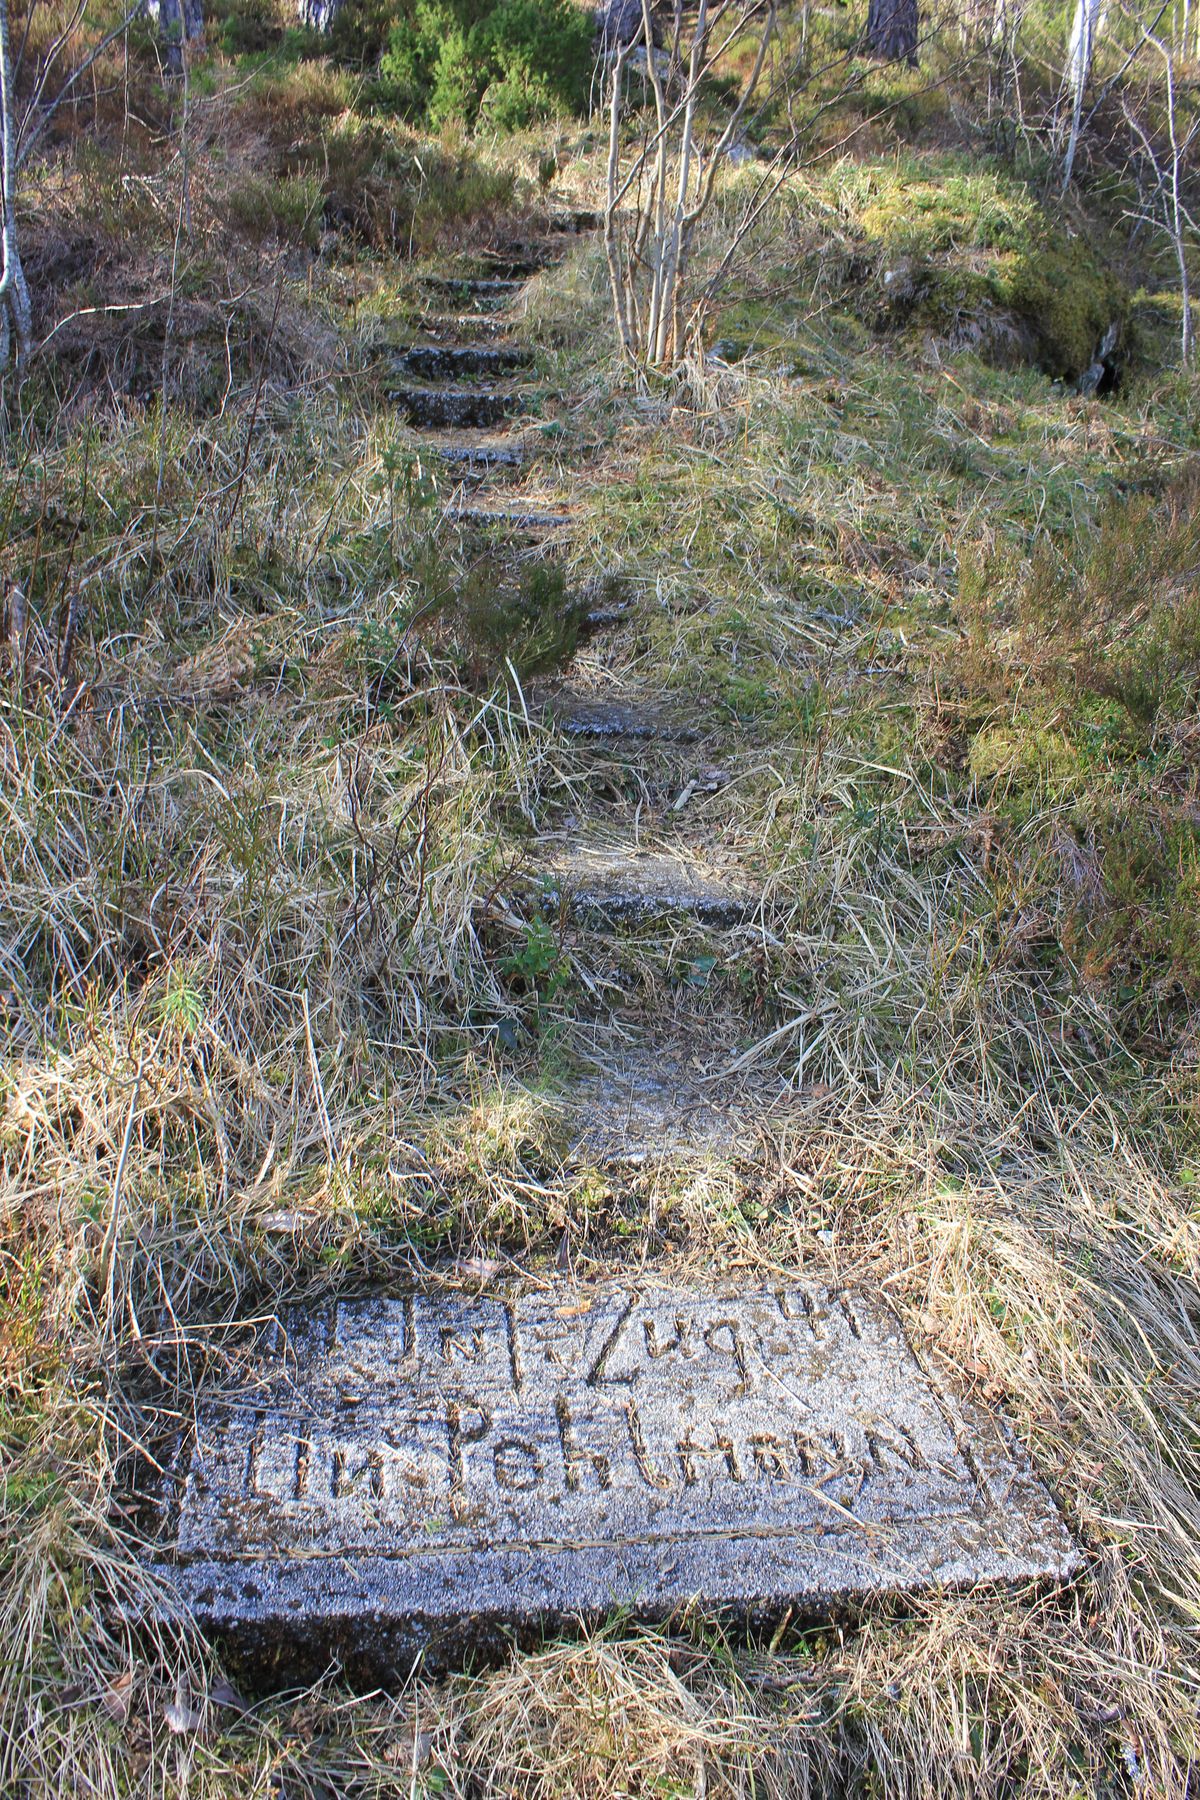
x=892, y=30
x=1080, y=50
x=16, y=313
x=318, y=15
x=178, y=22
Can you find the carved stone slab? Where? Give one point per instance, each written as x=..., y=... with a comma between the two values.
x=433, y=1473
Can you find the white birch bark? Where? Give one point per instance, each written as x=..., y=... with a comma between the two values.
x=1081, y=47
x=16, y=312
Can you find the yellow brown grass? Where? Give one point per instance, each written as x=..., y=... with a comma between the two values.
x=262, y=848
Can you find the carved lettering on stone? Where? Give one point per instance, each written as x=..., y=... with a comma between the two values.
x=550, y=1454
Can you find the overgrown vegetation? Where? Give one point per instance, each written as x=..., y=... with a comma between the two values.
x=1078, y=683
x=283, y=1008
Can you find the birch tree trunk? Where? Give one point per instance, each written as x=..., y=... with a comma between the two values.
x=16, y=312
x=1080, y=51
x=318, y=15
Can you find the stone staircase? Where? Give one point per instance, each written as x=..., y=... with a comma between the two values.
x=428, y=1476
x=465, y=388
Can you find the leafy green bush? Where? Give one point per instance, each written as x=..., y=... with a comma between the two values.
x=503, y=62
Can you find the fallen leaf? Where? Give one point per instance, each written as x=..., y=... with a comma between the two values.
x=182, y=1718
x=117, y=1695
x=476, y=1268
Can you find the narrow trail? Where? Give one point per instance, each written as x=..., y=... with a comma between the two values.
x=654, y=1073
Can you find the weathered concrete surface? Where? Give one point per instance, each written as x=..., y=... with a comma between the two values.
x=455, y=325
x=575, y=222
x=521, y=267
x=440, y=362
x=486, y=292
x=616, y=884
x=480, y=453
x=430, y=1472
x=606, y=614
x=442, y=407
x=665, y=1095
x=611, y=717
x=528, y=520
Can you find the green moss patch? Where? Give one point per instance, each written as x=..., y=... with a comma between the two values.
x=969, y=253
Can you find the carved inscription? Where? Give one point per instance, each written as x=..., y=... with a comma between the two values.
x=616, y=1415
x=412, y=1472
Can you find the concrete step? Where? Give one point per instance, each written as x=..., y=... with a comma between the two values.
x=450, y=362
x=641, y=1095
x=609, y=718
x=607, y=614
x=574, y=224
x=610, y=884
x=528, y=521
x=476, y=456
x=521, y=265
x=454, y=326
x=442, y=409
x=487, y=292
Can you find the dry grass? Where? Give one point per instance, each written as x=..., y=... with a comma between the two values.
x=263, y=844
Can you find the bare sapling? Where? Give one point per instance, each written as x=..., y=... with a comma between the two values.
x=657, y=197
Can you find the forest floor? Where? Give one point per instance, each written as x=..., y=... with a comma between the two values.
x=281, y=1010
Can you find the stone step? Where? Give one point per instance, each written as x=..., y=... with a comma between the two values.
x=455, y=325
x=609, y=602
x=614, y=884
x=607, y=614
x=449, y=362
x=441, y=409
x=425, y=1476
x=574, y=224
x=477, y=456
x=529, y=521
x=521, y=266
x=637, y=1096
x=608, y=718
x=488, y=292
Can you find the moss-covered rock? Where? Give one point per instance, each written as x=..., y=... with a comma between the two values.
x=973, y=256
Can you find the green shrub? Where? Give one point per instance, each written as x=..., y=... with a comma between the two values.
x=1077, y=680
x=503, y=62
x=531, y=623
x=359, y=32
x=244, y=27
x=386, y=193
